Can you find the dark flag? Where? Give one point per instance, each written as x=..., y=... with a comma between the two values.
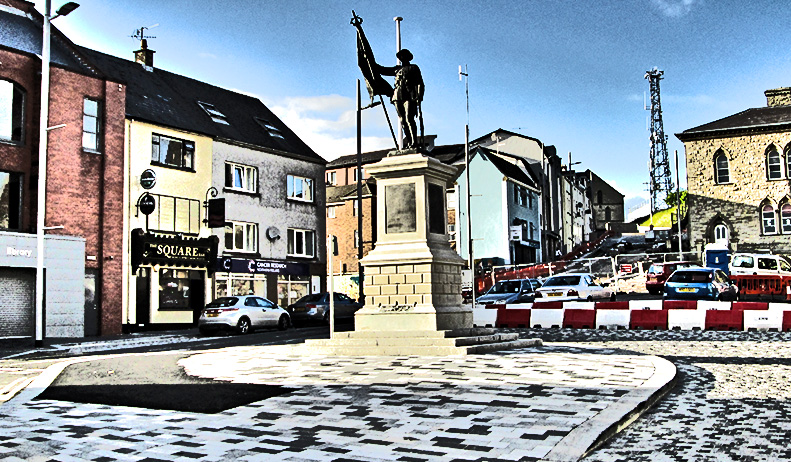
x=365, y=59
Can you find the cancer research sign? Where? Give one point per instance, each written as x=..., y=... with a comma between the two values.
x=258, y=266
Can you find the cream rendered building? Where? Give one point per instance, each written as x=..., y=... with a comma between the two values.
x=181, y=162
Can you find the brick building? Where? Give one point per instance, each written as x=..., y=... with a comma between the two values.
x=84, y=190
x=739, y=178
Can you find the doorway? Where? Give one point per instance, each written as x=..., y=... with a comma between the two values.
x=92, y=302
x=143, y=297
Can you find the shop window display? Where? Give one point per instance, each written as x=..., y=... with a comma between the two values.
x=291, y=288
x=174, y=287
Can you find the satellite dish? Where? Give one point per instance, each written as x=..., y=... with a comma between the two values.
x=272, y=233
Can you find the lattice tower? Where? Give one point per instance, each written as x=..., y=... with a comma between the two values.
x=661, y=182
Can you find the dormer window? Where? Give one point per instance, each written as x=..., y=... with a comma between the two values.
x=270, y=129
x=215, y=115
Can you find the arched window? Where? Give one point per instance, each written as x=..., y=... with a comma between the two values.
x=12, y=104
x=598, y=197
x=788, y=159
x=721, y=234
x=768, y=219
x=785, y=218
x=721, y=170
x=607, y=214
x=774, y=168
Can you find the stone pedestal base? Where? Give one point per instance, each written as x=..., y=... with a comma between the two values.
x=417, y=319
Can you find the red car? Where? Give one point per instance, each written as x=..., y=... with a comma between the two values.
x=660, y=272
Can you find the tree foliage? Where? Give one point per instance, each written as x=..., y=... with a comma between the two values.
x=672, y=198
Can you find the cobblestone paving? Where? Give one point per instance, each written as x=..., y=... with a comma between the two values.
x=732, y=401
x=509, y=406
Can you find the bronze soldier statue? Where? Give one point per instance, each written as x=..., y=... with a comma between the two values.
x=407, y=94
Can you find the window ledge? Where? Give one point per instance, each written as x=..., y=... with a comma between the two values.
x=304, y=257
x=183, y=169
x=303, y=201
x=91, y=151
x=726, y=183
x=240, y=253
x=241, y=191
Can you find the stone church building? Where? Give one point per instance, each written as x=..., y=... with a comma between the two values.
x=739, y=178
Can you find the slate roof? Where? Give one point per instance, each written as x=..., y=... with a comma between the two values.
x=341, y=193
x=159, y=96
x=760, y=119
x=509, y=168
x=21, y=33
x=169, y=99
x=447, y=154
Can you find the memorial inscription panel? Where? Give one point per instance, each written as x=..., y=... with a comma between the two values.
x=400, y=208
x=436, y=209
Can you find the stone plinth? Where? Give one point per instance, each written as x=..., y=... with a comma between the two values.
x=412, y=276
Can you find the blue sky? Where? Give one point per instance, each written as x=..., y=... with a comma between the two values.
x=567, y=72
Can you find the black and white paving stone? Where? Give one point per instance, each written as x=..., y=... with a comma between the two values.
x=520, y=405
x=732, y=401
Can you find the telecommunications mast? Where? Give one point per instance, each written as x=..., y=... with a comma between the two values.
x=661, y=182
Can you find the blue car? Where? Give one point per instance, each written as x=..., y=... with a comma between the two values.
x=700, y=284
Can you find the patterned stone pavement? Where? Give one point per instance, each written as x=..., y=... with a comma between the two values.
x=732, y=402
x=545, y=403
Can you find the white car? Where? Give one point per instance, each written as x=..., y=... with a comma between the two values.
x=242, y=313
x=573, y=287
x=760, y=264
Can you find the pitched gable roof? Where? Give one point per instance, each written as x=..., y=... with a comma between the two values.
x=22, y=32
x=510, y=167
x=755, y=119
x=169, y=99
x=448, y=154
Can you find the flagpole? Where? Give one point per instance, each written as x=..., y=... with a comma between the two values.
x=398, y=19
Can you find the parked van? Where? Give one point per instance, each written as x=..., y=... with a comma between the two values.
x=759, y=264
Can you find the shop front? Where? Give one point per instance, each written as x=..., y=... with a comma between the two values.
x=64, y=294
x=282, y=282
x=171, y=274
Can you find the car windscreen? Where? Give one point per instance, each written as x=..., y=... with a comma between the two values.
x=222, y=302
x=690, y=276
x=505, y=287
x=562, y=281
x=312, y=298
x=655, y=269
x=743, y=261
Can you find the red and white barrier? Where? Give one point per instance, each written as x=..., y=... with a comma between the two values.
x=546, y=317
x=640, y=314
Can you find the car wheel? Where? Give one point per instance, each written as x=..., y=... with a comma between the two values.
x=204, y=331
x=282, y=323
x=590, y=298
x=612, y=297
x=243, y=327
x=326, y=318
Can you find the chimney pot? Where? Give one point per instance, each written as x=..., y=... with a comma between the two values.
x=144, y=55
x=778, y=97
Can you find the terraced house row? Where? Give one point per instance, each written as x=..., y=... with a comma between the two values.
x=162, y=191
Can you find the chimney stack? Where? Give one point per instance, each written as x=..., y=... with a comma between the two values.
x=145, y=56
x=778, y=97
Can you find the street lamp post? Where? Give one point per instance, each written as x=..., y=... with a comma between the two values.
x=42, y=161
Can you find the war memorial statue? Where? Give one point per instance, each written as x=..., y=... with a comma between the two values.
x=407, y=96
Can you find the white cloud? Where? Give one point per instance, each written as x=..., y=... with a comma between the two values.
x=207, y=55
x=674, y=8
x=328, y=124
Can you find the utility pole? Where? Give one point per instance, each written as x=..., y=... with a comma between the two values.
x=470, y=258
x=660, y=178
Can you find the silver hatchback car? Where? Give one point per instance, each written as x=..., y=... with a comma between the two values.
x=242, y=313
